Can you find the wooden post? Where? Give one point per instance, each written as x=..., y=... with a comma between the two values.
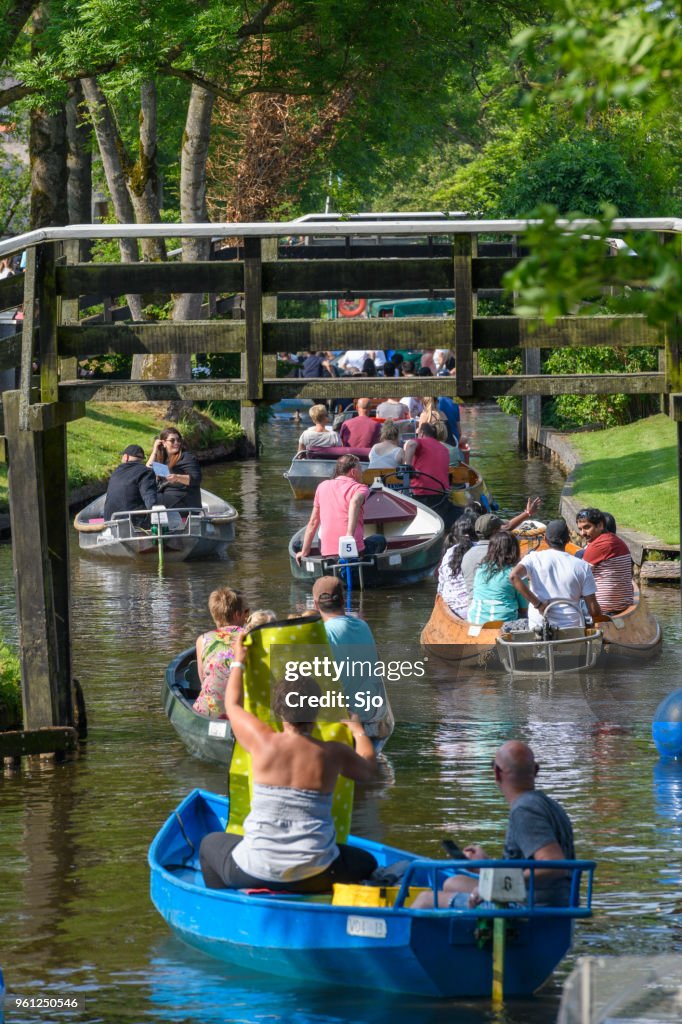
x=67, y=310
x=39, y=523
x=252, y=360
x=531, y=414
x=269, y=252
x=463, y=247
x=499, y=934
x=27, y=332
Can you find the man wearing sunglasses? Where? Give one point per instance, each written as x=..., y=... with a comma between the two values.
x=539, y=829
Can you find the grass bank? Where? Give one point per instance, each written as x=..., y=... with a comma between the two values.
x=97, y=440
x=631, y=471
x=10, y=688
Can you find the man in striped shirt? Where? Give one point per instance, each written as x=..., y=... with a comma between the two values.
x=610, y=560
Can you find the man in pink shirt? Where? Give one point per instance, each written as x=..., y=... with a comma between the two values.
x=338, y=512
x=428, y=456
x=362, y=431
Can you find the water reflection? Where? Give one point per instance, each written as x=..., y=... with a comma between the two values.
x=74, y=905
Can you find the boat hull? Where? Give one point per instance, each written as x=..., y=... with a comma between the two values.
x=414, y=547
x=209, y=739
x=201, y=535
x=452, y=639
x=304, y=476
x=420, y=952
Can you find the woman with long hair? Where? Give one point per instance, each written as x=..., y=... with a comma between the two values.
x=494, y=597
x=181, y=487
x=437, y=419
x=451, y=585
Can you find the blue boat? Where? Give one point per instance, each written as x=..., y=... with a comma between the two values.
x=437, y=953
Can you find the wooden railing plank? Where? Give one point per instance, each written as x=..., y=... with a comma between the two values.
x=571, y=384
x=565, y=332
x=11, y=291
x=320, y=335
x=358, y=277
x=99, y=279
x=151, y=391
x=166, y=336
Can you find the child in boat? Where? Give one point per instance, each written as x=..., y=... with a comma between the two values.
x=260, y=617
x=451, y=585
x=215, y=650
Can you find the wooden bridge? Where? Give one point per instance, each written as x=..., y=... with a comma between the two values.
x=399, y=257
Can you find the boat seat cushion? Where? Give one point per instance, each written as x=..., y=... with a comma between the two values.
x=335, y=452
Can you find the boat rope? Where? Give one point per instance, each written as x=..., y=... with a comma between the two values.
x=184, y=834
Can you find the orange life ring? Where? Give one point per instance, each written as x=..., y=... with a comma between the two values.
x=355, y=308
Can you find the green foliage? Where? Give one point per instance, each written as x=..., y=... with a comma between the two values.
x=10, y=687
x=115, y=366
x=15, y=185
x=498, y=362
x=608, y=410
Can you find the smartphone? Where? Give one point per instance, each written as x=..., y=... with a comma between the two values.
x=452, y=849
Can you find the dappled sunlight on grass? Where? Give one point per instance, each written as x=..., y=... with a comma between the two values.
x=631, y=471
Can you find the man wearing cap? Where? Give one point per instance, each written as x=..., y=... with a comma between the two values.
x=544, y=575
x=485, y=526
x=353, y=647
x=338, y=512
x=132, y=485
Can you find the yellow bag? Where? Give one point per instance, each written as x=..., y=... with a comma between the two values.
x=373, y=895
x=257, y=677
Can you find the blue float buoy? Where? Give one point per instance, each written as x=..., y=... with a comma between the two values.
x=666, y=728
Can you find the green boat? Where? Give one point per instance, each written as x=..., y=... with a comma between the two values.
x=209, y=739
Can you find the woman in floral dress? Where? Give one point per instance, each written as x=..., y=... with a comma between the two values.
x=215, y=650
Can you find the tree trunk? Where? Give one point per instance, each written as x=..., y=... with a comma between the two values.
x=109, y=141
x=47, y=151
x=193, y=210
x=79, y=165
x=142, y=177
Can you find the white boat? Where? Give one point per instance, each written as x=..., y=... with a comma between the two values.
x=184, y=532
x=414, y=543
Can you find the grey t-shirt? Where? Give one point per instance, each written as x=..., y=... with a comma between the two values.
x=535, y=820
x=471, y=562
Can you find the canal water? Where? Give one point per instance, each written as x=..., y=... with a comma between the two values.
x=75, y=914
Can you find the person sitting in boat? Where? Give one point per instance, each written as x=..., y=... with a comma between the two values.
x=181, y=487
x=353, y=646
x=362, y=431
x=132, y=486
x=432, y=415
x=494, y=596
x=215, y=650
x=610, y=560
x=338, y=511
x=450, y=409
x=259, y=617
x=387, y=453
x=392, y=409
x=289, y=841
x=454, y=453
x=451, y=585
x=545, y=575
x=320, y=435
x=539, y=829
x=486, y=526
